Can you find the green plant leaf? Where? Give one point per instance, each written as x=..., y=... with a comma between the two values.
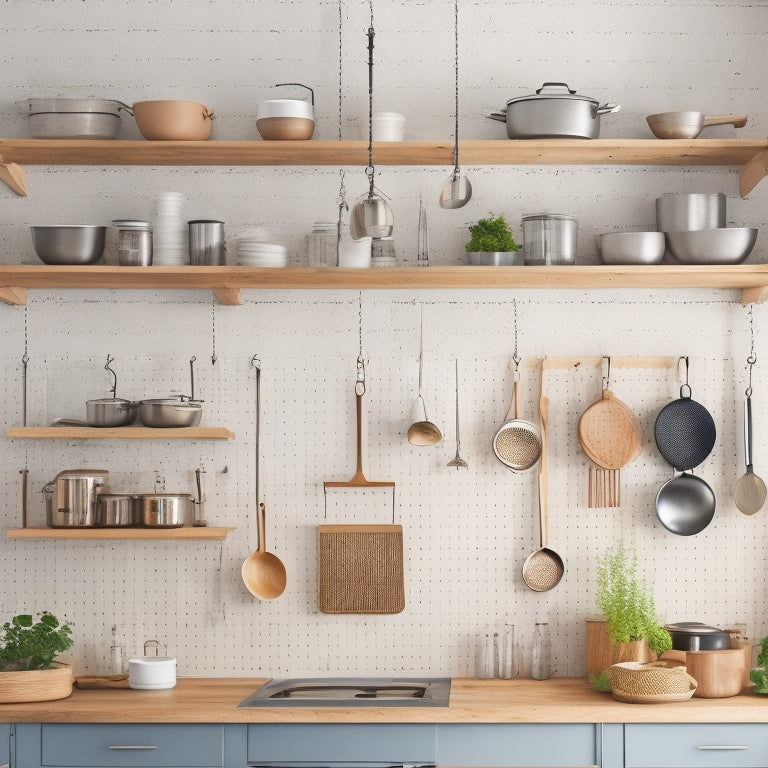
x=490, y=236
x=26, y=644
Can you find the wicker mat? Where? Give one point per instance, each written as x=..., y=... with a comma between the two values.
x=360, y=569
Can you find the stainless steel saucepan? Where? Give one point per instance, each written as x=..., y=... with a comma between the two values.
x=688, y=125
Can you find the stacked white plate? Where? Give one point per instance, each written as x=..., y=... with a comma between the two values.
x=255, y=250
x=170, y=238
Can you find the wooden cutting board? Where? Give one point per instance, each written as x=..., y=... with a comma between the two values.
x=360, y=569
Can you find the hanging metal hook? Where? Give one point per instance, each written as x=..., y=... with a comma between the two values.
x=110, y=360
x=751, y=360
x=685, y=390
x=605, y=372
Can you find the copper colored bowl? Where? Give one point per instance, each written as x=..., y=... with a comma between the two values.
x=170, y=120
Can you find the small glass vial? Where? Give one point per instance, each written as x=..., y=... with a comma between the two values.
x=117, y=664
x=541, y=657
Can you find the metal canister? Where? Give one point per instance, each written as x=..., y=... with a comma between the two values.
x=206, y=243
x=112, y=236
x=549, y=239
x=70, y=498
x=134, y=247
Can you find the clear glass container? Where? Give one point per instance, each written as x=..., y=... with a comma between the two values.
x=541, y=656
x=508, y=665
x=549, y=239
x=322, y=244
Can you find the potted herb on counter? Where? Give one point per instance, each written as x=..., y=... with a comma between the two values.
x=492, y=244
x=759, y=675
x=28, y=671
x=629, y=613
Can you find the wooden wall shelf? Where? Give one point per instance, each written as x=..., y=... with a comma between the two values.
x=748, y=156
x=226, y=282
x=187, y=532
x=120, y=433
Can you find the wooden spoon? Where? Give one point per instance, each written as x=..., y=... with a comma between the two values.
x=264, y=573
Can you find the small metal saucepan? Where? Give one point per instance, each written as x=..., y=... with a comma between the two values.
x=170, y=412
x=110, y=411
x=166, y=510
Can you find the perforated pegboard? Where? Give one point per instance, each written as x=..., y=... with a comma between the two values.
x=467, y=532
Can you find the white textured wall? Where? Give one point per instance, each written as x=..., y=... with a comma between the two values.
x=467, y=533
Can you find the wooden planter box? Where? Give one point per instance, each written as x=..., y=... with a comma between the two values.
x=602, y=652
x=36, y=684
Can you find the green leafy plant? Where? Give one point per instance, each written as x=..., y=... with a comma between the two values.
x=626, y=600
x=491, y=236
x=601, y=682
x=759, y=675
x=29, y=644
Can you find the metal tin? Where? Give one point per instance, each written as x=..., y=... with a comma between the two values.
x=134, y=247
x=114, y=510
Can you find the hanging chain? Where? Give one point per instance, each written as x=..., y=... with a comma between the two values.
x=24, y=361
x=213, y=333
x=341, y=82
x=752, y=359
x=360, y=380
x=456, y=87
x=370, y=171
x=515, y=356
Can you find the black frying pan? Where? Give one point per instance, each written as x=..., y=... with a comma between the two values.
x=685, y=431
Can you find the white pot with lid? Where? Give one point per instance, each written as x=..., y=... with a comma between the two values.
x=286, y=119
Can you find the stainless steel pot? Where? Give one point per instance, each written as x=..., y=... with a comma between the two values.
x=70, y=498
x=170, y=412
x=110, y=412
x=555, y=111
x=74, y=118
x=166, y=510
x=114, y=510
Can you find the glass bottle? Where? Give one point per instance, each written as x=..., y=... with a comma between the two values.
x=541, y=657
x=117, y=663
x=508, y=664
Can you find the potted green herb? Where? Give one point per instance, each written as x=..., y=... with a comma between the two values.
x=28, y=671
x=492, y=243
x=629, y=610
x=759, y=675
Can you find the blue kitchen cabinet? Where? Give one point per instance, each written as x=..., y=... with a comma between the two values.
x=124, y=745
x=330, y=743
x=5, y=744
x=529, y=744
x=696, y=745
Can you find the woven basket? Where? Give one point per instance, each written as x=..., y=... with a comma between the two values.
x=655, y=679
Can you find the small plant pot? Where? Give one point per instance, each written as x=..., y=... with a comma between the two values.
x=37, y=684
x=496, y=258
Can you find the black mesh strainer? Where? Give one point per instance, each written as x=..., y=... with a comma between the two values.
x=685, y=431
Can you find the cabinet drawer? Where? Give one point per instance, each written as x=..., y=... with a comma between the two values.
x=523, y=744
x=295, y=743
x=688, y=745
x=191, y=746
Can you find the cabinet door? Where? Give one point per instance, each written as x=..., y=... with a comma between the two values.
x=65, y=745
x=362, y=743
x=699, y=745
x=5, y=744
x=518, y=744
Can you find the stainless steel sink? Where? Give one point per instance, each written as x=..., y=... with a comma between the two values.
x=352, y=692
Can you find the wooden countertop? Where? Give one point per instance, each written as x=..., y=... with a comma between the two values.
x=215, y=700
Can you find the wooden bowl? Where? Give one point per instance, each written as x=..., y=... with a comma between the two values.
x=718, y=673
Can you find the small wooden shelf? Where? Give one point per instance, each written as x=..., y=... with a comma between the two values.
x=187, y=532
x=120, y=433
x=751, y=279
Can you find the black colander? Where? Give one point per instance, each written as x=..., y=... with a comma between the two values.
x=685, y=431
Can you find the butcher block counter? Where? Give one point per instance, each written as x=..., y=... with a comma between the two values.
x=215, y=700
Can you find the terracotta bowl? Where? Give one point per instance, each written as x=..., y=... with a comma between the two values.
x=170, y=120
x=285, y=120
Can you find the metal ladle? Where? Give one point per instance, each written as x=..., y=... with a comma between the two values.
x=422, y=431
x=456, y=190
x=371, y=214
x=457, y=461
